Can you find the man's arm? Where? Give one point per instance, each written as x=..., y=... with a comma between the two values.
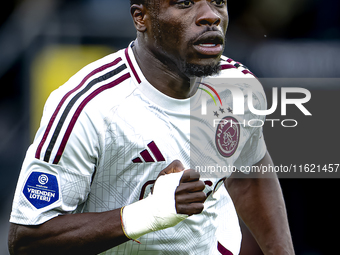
x=87, y=233
x=93, y=233
x=259, y=202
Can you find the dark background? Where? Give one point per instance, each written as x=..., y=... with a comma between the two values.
x=274, y=38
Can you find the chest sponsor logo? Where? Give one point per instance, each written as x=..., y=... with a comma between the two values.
x=227, y=136
x=41, y=189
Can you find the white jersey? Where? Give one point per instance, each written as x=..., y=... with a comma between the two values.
x=107, y=133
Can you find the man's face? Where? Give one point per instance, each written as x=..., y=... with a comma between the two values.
x=189, y=34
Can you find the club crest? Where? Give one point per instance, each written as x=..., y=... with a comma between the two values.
x=227, y=136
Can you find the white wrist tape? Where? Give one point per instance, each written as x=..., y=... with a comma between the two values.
x=157, y=211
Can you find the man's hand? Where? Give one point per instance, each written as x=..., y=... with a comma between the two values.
x=177, y=194
x=189, y=195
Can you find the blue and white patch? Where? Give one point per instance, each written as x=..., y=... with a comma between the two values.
x=41, y=189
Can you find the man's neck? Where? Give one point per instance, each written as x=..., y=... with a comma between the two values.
x=167, y=79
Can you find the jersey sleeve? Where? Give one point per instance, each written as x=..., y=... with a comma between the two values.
x=255, y=147
x=56, y=175
x=253, y=151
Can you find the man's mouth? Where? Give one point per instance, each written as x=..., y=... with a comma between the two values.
x=209, y=49
x=209, y=43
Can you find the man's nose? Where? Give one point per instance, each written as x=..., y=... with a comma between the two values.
x=206, y=15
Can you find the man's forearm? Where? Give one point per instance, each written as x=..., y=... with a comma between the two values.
x=260, y=204
x=87, y=233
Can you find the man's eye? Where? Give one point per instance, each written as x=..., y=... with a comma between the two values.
x=219, y=3
x=185, y=4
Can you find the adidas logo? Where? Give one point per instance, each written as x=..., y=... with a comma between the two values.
x=146, y=156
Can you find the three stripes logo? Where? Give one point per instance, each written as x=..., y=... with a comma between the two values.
x=147, y=157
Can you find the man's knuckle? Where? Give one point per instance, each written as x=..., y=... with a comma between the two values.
x=202, y=196
x=201, y=185
x=199, y=207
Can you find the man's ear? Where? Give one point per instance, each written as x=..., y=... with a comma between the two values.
x=138, y=13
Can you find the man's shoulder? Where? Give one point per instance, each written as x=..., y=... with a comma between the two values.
x=110, y=65
x=95, y=74
x=77, y=110
x=102, y=82
x=236, y=74
x=236, y=78
x=233, y=69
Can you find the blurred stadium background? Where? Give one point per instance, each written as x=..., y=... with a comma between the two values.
x=44, y=42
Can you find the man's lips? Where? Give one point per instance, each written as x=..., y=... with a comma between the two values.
x=210, y=43
x=209, y=49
